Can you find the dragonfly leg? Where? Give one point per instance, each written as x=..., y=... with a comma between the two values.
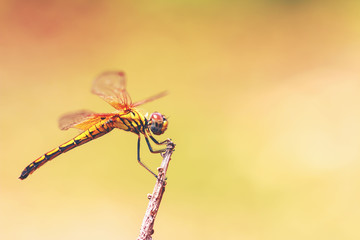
x=150, y=147
x=138, y=157
x=148, y=133
x=156, y=141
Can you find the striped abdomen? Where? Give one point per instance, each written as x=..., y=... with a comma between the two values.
x=93, y=132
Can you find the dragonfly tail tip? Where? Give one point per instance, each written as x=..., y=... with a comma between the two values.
x=23, y=176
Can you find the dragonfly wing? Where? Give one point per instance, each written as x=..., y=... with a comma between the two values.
x=111, y=86
x=82, y=120
x=150, y=99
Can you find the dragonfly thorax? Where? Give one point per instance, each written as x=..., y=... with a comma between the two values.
x=157, y=123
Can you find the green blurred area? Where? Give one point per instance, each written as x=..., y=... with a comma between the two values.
x=263, y=105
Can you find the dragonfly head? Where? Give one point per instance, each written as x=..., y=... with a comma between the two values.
x=157, y=123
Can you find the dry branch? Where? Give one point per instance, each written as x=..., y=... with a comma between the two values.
x=155, y=198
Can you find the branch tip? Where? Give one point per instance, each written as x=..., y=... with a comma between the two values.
x=155, y=198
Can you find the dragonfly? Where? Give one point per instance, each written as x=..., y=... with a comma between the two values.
x=111, y=87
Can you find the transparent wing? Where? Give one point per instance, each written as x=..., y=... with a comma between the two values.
x=162, y=94
x=111, y=86
x=82, y=120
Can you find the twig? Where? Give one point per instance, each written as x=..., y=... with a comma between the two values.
x=155, y=198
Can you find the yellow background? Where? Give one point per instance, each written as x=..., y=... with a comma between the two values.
x=263, y=106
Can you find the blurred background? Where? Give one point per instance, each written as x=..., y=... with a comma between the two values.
x=263, y=105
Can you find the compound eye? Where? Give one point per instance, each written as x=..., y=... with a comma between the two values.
x=157, y=125
x=156, y=117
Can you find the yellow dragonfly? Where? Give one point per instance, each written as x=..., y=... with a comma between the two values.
x=111, y=87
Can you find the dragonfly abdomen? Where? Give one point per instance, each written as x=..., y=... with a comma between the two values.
x=93, y=132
